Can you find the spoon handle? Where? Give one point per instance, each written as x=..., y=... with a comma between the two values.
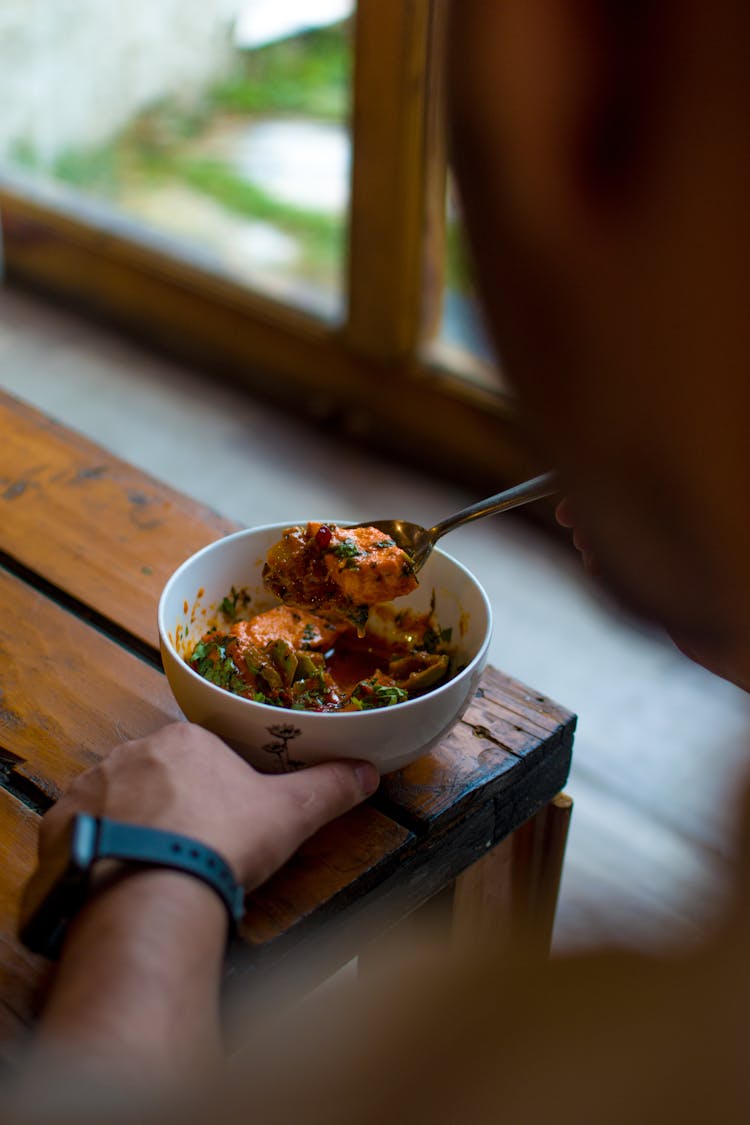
x=535, y=489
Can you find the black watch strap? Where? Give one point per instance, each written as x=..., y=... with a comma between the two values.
x=153, y=847
x=58, y=890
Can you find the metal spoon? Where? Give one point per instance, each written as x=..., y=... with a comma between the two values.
x=418, y=541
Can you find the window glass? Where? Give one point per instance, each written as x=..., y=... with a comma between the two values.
x=220, y=124
x=462, y=336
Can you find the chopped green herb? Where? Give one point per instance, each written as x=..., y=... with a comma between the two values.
x=199, y=652
x=211, y=661
x=384, y=543
x=311, y=700
x=234, y=601
x=358, y=615
x=346, y=550
x=310, y=636
x=370, y=695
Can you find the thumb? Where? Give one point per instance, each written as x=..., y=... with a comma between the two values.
x=295, y=805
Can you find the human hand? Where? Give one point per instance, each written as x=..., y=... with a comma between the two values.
x=183, y=779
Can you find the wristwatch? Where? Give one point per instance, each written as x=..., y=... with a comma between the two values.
x=58, y=890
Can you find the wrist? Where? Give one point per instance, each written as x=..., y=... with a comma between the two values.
x=169, y=899
x=62, y=885
x=139, y=974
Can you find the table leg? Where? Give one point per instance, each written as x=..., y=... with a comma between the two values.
x=507, y=898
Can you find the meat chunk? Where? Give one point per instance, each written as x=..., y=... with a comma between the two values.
x=300, y=630
x=338, y=569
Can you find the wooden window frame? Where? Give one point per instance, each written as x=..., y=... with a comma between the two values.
x=374, y=377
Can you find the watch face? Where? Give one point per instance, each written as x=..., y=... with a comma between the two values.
x=57, y=888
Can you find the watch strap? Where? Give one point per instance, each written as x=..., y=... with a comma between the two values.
x=57, y=891
x=154, y=847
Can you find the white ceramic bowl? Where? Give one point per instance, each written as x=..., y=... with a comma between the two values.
x=273, y=739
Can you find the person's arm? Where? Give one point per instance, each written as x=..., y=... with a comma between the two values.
x=137, y=985
x=139, y=977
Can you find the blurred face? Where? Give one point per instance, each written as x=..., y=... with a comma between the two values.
x=603, y=164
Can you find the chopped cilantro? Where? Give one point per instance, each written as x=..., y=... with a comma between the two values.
x=358, y=615
x=346, y=550
x=309, y=634
x=309, y=701
x=233, y=602
x=384, y=543
x=199, y=652
x=210, y=660
x=370, y=695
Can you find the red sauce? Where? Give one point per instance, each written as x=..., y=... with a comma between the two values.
x=290, y=658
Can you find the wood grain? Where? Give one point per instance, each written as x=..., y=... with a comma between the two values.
x=521, y=700
x=92, y=525
x=330, y=871
x=509, y=896
x=388, y=178
x=505, y=732
x=22, y=975
x=68, y=693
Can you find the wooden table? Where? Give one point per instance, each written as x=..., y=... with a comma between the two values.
x=87, y=543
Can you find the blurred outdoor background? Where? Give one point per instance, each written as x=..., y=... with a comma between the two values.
x=220, y=125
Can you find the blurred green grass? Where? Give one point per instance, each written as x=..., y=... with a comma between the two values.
x=308, y=76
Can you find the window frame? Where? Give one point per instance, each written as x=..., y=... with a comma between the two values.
x=377, y=377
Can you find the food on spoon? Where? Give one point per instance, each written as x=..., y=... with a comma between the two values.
x=301, y=661
x=342, y=570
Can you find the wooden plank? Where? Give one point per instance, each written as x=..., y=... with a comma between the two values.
x=491, y=720
x=92, y=525
x=68, y=693
x=520, y=699
x=18, y=846
x=334, y=868
x=23, y=975
x=465, y=769
x=310, y=952
x=485, y=755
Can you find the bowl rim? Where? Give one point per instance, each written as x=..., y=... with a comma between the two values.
x=315, y=716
